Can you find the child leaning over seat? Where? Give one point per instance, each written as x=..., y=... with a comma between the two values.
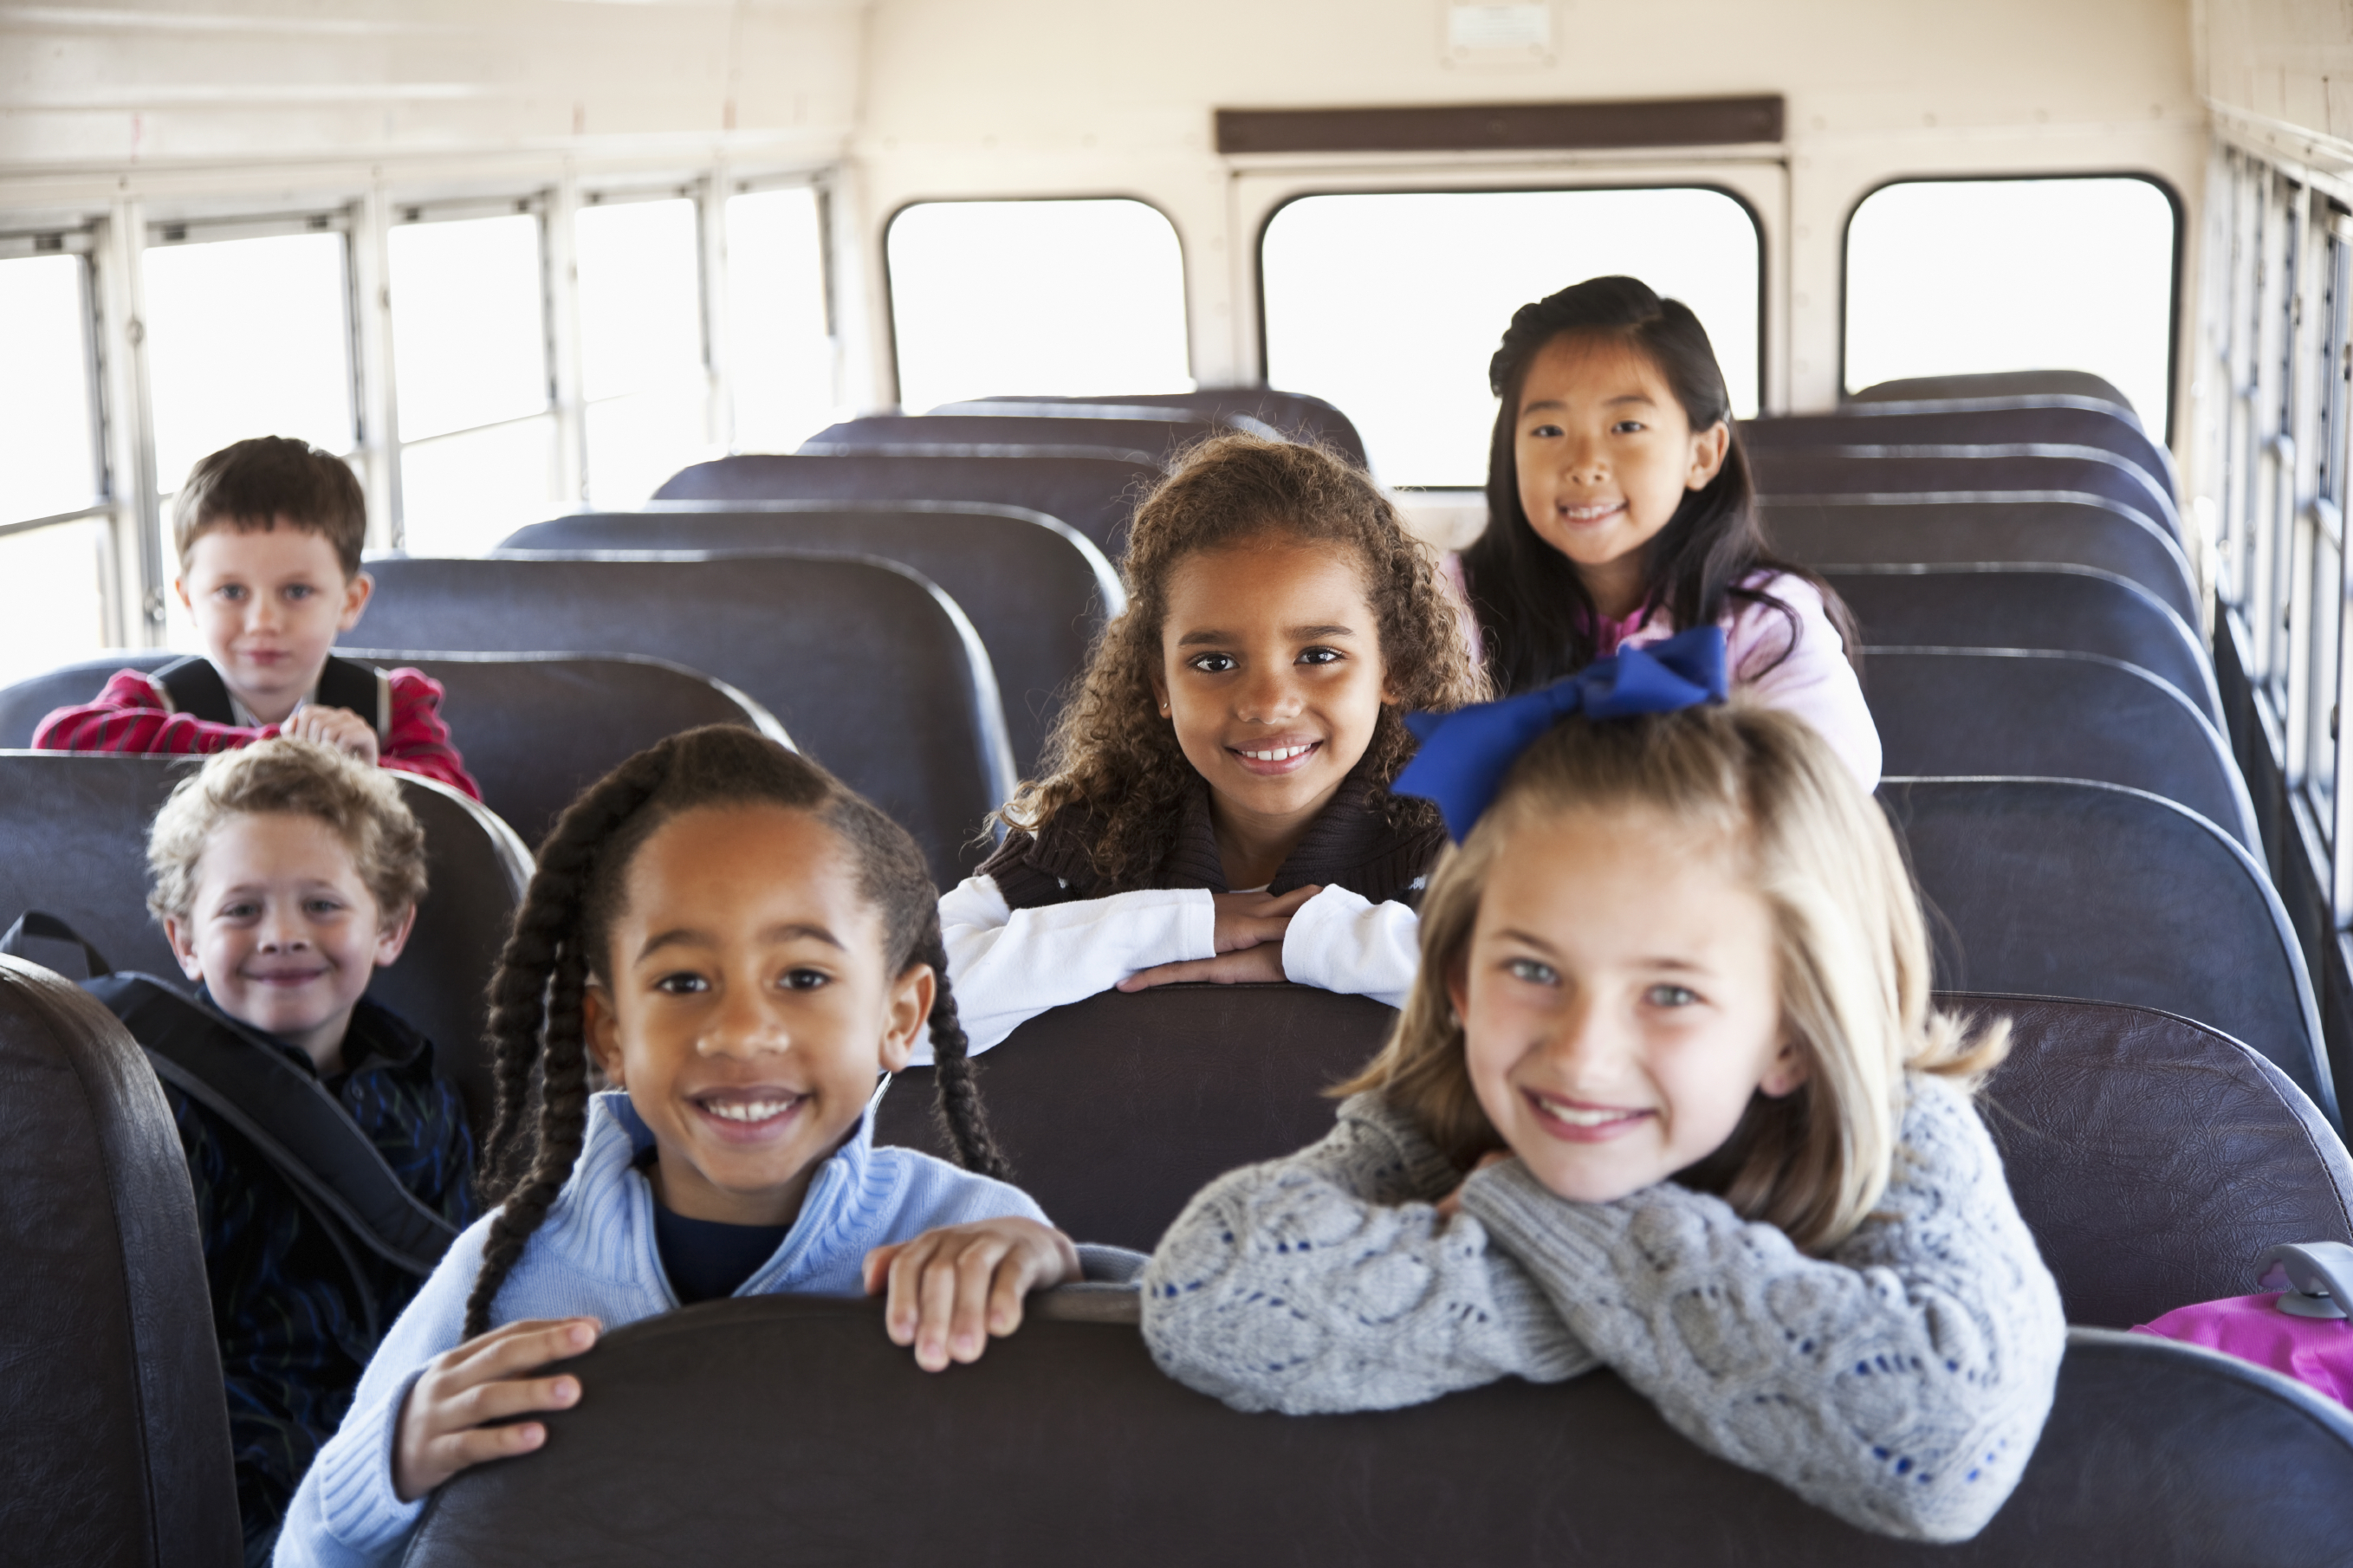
x=285, y=875
x=744, y=946
x=1218, y=806
x=1668, y=1098
x=269, y=532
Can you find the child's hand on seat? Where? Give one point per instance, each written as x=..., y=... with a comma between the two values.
x=442, y=1429
x=1250, y=929
x=953, y=1287
x=1260, y=966
x=337, y=727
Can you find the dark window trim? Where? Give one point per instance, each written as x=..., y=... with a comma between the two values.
x=2173, y=399
x=1488, y=127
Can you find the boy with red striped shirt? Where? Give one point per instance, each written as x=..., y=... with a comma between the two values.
x=269, y=532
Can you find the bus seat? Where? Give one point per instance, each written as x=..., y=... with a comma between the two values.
x=2075, y=424
x=1094, y=494
x=535, y=729
x=1296, y=415
x=791, y=1429
x=872, y=669
x=2061, y=888
x=2042, y=470
x=1157, y=439
x=1952, y=711
x=1986, y=528
x=2064, y=609
x=1116, y=1109
x=1036, y=589
x=73, y=842
x=117, y=1445
x=2013, y=386
x=2154, y=1159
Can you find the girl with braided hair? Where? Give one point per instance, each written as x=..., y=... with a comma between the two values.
x=744, y=946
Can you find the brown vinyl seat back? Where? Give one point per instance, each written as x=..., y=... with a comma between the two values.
x=2062, y=888
x=114, y=1443
x=535, y=729
x=1037, y=590
x=73, y=843
x=2154, y=1159
x=871, y=669
x=1295, y=414
x=1908, y=425
x=1093, y=491
x=1948, y=711
x=2047, y=470
x=1988, y=528
x=2064, y=609
x=1116, y=1109
x=2003, y=387
x=791, y=1430
x=1157, y=439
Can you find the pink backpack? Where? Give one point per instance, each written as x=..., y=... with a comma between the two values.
x=2298, y=1326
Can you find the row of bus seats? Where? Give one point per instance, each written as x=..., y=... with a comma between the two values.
x=2068, y=854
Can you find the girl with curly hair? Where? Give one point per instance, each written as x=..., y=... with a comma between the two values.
x=1216, y=805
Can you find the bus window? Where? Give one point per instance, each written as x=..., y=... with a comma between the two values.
x=1392, y=302
x=1948, y=277
x=244, y=337
x=780, y=346
x=643, y=363
x=52, y=599
x=478, y=436
x=1048, y=297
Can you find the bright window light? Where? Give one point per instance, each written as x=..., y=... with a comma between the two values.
x=1954, y=276
x=52, y=599
x=641, y=346
x=1390, y=305
x=461, y=494
x=779, y=354
x=1049, y=298
x=48, y=456
x=468, y=324
x=247, y=337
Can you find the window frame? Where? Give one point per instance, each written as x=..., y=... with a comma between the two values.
x=1739, y=198
x=2173, y=290
x=890, y=312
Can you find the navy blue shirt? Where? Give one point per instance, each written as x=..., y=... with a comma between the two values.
x=707, y=1258
x=293, y=1338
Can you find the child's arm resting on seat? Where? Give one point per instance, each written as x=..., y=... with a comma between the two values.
x=1008, y=965
x=1900, y=1383
x=953, y=1287
x=444, y=1421
x=1328, y=1280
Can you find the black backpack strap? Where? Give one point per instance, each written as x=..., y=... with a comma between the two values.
x=361, y=687
x=192, y=686
x=285, y=1113
x=34, y=923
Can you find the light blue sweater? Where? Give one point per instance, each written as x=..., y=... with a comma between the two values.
x=595, y=1257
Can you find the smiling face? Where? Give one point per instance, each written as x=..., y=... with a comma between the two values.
x=1604, y=455
x=1618, y=1001
x=282, y=932
x=1272, y=673
x=746, y=1010
x=267, y=603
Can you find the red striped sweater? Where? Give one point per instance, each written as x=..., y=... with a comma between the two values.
x=131, y=715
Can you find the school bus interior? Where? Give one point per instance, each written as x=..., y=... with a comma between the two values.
x=800, y=364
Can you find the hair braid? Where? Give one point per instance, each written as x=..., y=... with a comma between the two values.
x=957, y=1106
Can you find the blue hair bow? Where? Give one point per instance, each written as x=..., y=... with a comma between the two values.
x=1465, y=755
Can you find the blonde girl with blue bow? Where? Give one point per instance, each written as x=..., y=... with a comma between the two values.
x=1667, y=1097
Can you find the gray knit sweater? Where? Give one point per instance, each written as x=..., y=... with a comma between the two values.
x=1900, y=1382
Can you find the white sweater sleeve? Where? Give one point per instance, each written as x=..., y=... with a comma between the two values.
x=1008, y=965
x=1340, y=942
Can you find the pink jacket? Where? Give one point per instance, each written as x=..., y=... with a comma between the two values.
x=1815, y=681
